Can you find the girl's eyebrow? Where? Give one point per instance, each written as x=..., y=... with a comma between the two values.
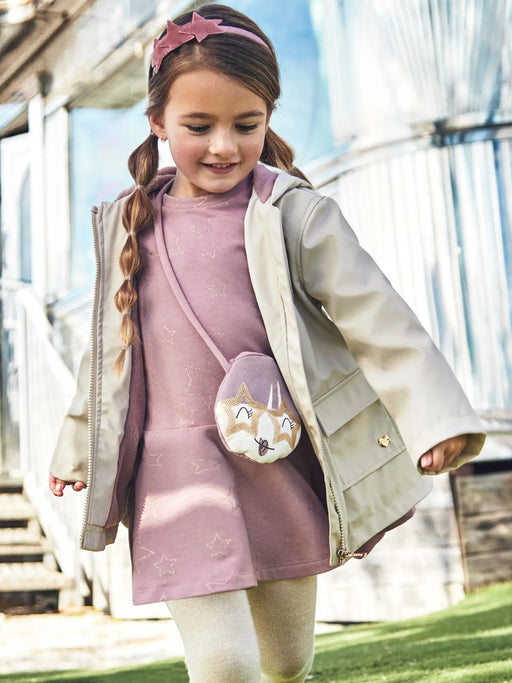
x=255, y=113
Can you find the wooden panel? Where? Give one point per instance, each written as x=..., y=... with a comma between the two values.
x=484, y=513
x=484, y=493
x=488, y=568
x=490, y=532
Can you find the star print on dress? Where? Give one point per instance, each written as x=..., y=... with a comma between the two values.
x=201, y=382
x=203, y=465
x=150, y=509
x=218, y=546
x=206, y=240
x=185, y=416
x=208, y=246
x=200, y=202
x=148, y=551
x=166, y=565
x=166, y=336
x=217, y=288
x=217, y=334
x=155, y=459
x=174, y=248
x=212, y=585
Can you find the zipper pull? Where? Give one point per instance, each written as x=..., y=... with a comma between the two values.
x=345, y=556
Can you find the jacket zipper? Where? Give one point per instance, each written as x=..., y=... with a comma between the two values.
x=343, y=554
x=93, y=376
x=342, y=550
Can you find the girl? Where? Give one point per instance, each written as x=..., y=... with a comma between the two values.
x=268, y=265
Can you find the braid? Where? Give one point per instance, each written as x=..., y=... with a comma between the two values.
x=276, y=152
x=137, y=214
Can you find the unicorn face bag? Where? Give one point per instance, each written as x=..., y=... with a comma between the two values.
x=254, y=412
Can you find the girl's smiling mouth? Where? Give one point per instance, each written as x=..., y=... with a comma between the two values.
x=220, y=167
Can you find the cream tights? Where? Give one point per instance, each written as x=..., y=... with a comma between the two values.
x=264, y=634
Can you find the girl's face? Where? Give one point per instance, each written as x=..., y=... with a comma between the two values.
x=216, y=130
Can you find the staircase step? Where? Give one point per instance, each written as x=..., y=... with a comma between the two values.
x=20, y=536
x=14, y=507
x=21, y=549
x=31, y=576
x=10, y=484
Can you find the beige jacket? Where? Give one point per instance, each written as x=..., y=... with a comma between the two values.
x=373, y=390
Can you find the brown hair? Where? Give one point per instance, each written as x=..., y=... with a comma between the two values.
x=246, y=61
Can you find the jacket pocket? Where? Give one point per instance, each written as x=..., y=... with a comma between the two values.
x=360, y=433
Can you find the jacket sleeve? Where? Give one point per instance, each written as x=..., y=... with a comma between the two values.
x=396, y=354
x=70, y=459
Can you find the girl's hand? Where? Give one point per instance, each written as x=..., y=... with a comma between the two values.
x=57, y=486
x=443, y=454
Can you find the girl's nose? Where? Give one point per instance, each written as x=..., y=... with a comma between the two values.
x=222, y=143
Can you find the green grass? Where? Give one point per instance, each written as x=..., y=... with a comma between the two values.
x=470, y=642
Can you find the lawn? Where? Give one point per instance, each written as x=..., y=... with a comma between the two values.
x=470, y=642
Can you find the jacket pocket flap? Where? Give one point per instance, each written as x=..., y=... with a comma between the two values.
x=343, y=402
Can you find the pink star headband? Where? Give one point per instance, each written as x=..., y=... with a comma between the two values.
x=199, y=28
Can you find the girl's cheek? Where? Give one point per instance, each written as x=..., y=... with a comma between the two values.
x=257, y=148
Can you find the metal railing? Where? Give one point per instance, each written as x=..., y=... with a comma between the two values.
x=45, y=387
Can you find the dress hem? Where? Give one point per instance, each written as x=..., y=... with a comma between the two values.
x=240, y=581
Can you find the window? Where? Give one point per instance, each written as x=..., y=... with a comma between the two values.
x=100, y=142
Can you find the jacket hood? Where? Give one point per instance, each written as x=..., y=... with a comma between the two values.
x=269, y=183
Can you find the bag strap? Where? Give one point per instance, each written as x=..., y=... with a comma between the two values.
x=168, y=269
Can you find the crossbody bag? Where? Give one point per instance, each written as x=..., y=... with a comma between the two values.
x=253, y=410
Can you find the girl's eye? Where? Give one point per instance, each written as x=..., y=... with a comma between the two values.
x=198, y=129
x=246, y=127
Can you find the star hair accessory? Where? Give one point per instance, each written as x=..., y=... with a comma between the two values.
x=199, y=29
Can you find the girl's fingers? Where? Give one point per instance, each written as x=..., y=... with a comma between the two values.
x=433, y=460
x=57, y=485
x=438, y=457
x=426, y=460
x=443, y=454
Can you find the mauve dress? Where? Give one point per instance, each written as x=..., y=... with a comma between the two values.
x=206, y=520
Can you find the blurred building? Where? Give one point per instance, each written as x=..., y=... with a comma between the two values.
x=402, y=111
